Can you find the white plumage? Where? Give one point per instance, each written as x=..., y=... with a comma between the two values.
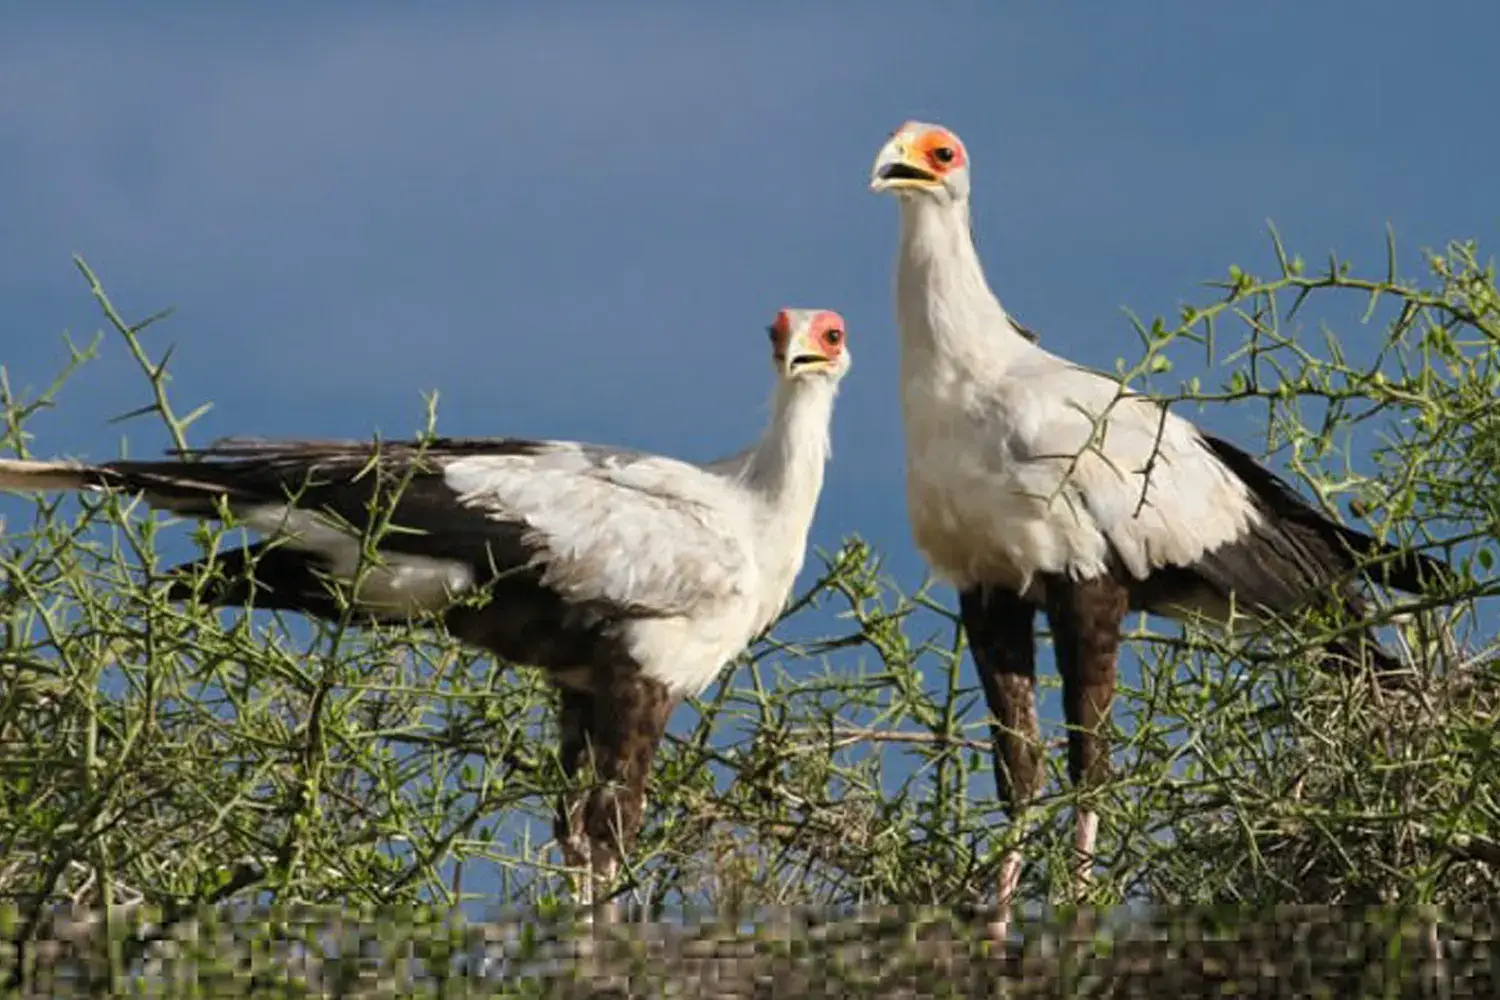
x=1021, y=462
x=1039, y=467
x=632, y=578
x=1036, y=484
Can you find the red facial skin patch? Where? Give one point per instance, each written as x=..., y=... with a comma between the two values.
x=923, y=150
x=828, y=333
x=781, y=333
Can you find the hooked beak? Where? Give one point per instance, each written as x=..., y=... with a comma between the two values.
x=803, y=355
x=898, y=166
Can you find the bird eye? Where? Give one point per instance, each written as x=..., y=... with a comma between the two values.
x=833, y=336
x=771, y=332
x=944, y=154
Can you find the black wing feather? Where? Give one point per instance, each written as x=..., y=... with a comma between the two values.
x=1335, y=546
x=517, y=618
x=1290, y=559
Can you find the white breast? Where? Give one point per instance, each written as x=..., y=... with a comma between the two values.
x=687, y=654
x=977, y=512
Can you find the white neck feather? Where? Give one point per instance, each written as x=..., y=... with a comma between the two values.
x=944, y=305
x=785, y=468
x=784, y=472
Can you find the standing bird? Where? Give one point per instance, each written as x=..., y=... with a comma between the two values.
x=631, y=578
x=1034, y=483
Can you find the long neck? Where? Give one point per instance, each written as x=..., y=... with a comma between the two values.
x=944, y=305
x=785, y=468
x=784, y=472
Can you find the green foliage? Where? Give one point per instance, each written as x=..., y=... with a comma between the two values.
x=170, y=756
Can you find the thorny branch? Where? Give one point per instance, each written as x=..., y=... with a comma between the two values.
x=844, y=758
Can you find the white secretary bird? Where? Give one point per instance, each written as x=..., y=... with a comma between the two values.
x=1034, y=483
x=632, y=578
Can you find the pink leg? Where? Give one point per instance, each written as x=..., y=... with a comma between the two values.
x=1084, y=839
x=1009, y=881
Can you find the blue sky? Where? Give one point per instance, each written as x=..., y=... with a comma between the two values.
x=576, y=219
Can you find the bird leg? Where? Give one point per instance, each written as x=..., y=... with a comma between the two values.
x=575, y=721
x=1085, y=616
x=625, y=718
x=998, y=625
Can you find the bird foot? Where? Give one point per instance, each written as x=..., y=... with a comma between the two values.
x=1081, y=927
x=1009, y=881
x=590, y=843
x=1085, y=837
x=578, y=859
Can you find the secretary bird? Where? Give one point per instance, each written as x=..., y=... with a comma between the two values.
x=1033, y=483
x=631, y=578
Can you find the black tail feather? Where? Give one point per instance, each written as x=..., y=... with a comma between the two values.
x=264, y=576
x=1327, y=549
x=1379, y=562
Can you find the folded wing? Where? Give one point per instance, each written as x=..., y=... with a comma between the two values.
x=617, y=533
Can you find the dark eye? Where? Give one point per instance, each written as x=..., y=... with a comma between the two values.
x=944, y=154
x=771, y=332
x=833, y=336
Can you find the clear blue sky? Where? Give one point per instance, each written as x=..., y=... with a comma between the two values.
x=575, y=219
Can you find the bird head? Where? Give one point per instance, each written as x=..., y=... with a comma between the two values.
x=809, y=343
x=922, y=160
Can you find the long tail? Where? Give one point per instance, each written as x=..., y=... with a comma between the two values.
x=1377, y=561
x=1333, y=549
x=31, y=476
x=267, y=576
x=171, y=485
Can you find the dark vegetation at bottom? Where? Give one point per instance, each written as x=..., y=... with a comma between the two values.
x=892, y=952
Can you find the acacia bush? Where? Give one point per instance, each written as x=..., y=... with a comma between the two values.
x=166, y=756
